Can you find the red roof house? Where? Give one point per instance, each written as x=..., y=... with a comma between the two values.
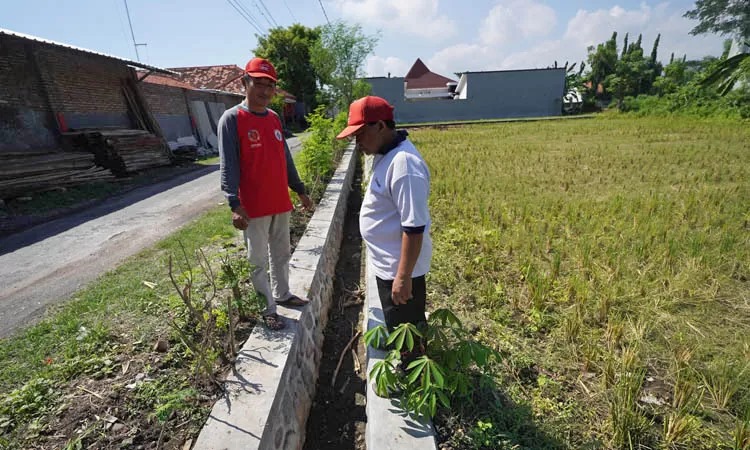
x=420, y=77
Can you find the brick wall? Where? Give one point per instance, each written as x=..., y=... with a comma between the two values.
x=26, y=120
x=20, y=84
x=82, y=83
x=164, y=99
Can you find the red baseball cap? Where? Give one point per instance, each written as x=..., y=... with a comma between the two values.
x=366, y=110
x=260, y=68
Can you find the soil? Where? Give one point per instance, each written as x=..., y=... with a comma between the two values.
x=337, y=419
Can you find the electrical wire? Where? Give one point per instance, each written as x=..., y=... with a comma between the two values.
x=240, y=11
x=276, y=24
x=324, y=11
x=290, y=11
x=248, y=13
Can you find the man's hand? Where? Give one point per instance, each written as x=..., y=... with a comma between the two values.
x=307, y=204
x=401, y=291
x=239, y=218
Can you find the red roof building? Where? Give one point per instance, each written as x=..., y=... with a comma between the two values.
x=420, y=77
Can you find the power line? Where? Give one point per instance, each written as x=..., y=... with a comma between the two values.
x=290, y=11
x=269, y=13
x=249, y=14
x=247, y=19
x=263, y=14
x=324, y=11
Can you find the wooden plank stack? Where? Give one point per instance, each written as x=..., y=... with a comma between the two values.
x=25, y=173
x=120, y=150
x=88, y=156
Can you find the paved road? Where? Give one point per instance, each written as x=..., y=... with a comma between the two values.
x=48, y=263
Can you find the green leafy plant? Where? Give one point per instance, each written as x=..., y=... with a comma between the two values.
x=436, y=378
x=315, y=161
x=22, y=407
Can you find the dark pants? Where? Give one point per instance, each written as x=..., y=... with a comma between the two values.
x=412, y=312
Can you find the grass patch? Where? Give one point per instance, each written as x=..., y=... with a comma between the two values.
x=489, y=121
x=607, y=260
x=93, y=362
x=210, y=161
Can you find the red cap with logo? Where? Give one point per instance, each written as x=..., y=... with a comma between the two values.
x=260, y=68
x=366, y=110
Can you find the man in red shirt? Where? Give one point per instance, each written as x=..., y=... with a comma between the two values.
x=257, y=171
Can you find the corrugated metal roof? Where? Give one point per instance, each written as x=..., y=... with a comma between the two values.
x=129, y=62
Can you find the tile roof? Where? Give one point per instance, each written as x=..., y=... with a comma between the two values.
x=420, y=77
x=222, y=78
x=166, y=81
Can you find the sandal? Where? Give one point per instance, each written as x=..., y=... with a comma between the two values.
x=274, y=322
x=293, y=301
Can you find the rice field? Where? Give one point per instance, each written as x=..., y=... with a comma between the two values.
x=608, y=261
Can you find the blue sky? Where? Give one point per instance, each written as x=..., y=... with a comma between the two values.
x=448, y=36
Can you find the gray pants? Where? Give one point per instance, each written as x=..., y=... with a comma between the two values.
x=267, y=238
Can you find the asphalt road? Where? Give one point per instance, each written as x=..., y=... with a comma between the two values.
x=50, y=262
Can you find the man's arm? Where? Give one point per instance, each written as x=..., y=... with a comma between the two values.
x=229, y=166
x=229, y=157
x=293, y=180
x=410, y=196
x=411, y=246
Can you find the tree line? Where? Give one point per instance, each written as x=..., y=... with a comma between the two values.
x=324, y=65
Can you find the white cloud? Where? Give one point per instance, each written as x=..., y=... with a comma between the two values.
x=592, y=27
x=416, y=17
x=585, y=28
x=511, y=20
x=377, y=66
x=461, y=58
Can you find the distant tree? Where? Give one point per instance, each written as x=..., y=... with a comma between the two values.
x=289, y=49
x=339, y=57
x=630, y=73
x=724, y=17
x=675, y=75
x=602, y=61
x=655, y=69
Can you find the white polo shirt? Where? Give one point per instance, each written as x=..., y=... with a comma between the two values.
x=396, y=200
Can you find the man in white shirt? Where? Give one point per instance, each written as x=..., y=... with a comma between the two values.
x=394, y=219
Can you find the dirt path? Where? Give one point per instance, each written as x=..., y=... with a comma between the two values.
x=49, y=262
x=337, y=419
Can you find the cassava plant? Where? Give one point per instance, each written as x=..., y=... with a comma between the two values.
x=444, y=374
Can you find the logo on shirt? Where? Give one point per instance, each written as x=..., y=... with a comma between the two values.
x=277, y=133
x=253, y=135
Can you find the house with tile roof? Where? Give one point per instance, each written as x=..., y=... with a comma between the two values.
x=228, y=78
x=422, y=83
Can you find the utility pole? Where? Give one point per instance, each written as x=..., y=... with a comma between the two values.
x=127, y=11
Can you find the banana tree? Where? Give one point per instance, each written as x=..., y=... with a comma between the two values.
x=729, y=72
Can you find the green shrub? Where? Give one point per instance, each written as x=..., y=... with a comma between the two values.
x=691, y=101
x=321, y=150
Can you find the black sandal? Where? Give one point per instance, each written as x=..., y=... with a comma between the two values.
x=293, y=301
x=274, y=322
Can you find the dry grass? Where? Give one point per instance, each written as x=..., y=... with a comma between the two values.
x=572, y=243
